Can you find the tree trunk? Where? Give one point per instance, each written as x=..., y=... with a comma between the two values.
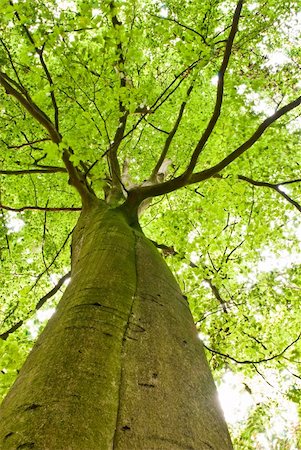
x=119, y=365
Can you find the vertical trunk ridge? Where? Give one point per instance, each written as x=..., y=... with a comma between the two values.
x=122, y=352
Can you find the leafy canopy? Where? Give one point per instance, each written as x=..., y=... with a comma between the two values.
x=187, y=111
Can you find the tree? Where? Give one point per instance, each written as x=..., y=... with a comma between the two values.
x=165, y=118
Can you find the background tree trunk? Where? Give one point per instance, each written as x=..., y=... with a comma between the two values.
x=119, y=365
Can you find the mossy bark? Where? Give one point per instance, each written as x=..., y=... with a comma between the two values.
x=119, y=365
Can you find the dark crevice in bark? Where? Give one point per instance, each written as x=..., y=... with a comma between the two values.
x=130, y=338
x=79, y=327
x=32, y=407
x=181, y=299
x=122, y=353
x=8, y=435
x=89, y=327
x=107, y=309
x=26, y=445
x=152, y=298
x=147, y=385
x=139, y=328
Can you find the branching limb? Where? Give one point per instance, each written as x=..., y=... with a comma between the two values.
x=161, y=98
x=13, y=67
x=113, y=149
x=156, y=128
x=262, y=376
x=247, y=361
x=31, y=171
x=180, y=76
x=114, y=146
x=40, y=303
x=39, y=208
x=18, y=86
x=31, y=107
x=276, y=187
x=219, y=93
x=139, y=194
x=75, y=100
x=254, y=338
x=207, y=173
x=39, y=52
x=13, y=88
x=28, y=143
x=78, y=179
x=171, y=136
x=182, y=26
x=215, y=291
x=47, y=267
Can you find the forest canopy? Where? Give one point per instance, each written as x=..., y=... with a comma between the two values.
x=201, y=97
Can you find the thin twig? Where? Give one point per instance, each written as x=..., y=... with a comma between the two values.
x=182, y=26
x=275, y=187
x=40, y=303
x=31, y=171
x=53, y=260
x=247, y=361
x=29, y=143
x=154, y=106
x=39, y=208
x=171, y=135
x=169, y=250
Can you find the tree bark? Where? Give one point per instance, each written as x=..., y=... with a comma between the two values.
x=119, y=365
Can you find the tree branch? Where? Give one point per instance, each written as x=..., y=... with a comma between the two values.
x=156, y=128
x=169, y=250
x=142, y=192
x=155, y=105
x=31, y=107
x=205, y=174
x=40, y=303
x=182, y=25
x=215, y=291
x=28, y=143
x=76, y=177
x=247, y=361
x=219, y=93
x=13, y=67
x=31, y=171
x=39, y=52
x=168, y=95
x=171, y=136
x=113, y=148
x=275, y=187
x=39, y=208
